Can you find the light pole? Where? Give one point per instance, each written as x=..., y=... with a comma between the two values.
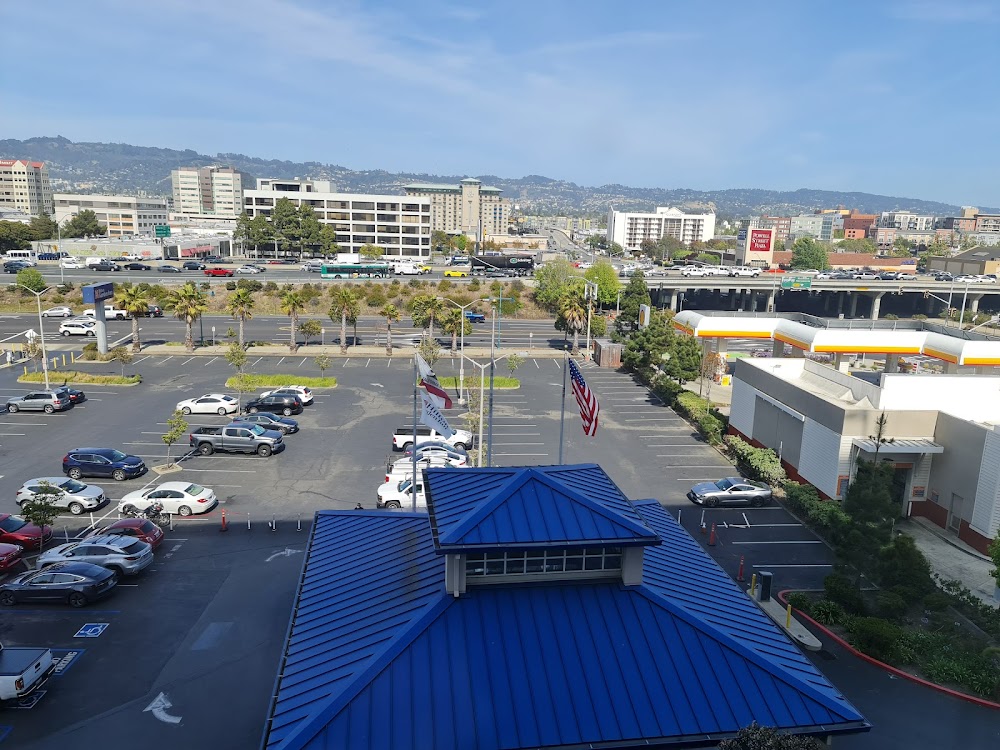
x=213, y=335
x=461, y=362
x=41, y=331
x=589, y=294
x=482, y=393
x=322, y=334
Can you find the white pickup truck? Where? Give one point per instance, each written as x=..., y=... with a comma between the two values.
x=23, y=671
x=403, y=438
x=110, y=313
x=399, y=495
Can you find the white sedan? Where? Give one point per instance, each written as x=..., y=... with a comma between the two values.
x=303, y=392
x=210, y=403
x=57, y=312
x=248, y=269
x=177, y=498
x=70, y=263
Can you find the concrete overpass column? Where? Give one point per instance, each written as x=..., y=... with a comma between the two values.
x=974, y=303
x=840, y=302
x=892, y=363
x=777, y=348
x=841, y=363
x=951, y=368
x=876, y=304
x=748, y=300
x=721, y=346
x=674, y=295
x=827, y=302
x=770, y=301
x=852, y=309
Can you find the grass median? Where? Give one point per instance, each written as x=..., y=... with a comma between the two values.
x=276, y=381
x=58, y=377
x=499, y=381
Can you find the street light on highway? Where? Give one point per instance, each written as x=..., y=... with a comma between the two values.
x=41, y=330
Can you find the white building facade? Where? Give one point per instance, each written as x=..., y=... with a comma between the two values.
x=907, y=221
x=469, y=208
x=24, y=186
x=630, y=229
x=214, y=191
x=124, y=215
x=400, y=225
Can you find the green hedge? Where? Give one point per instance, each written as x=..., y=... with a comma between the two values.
x=825, y=516
x=761, y=464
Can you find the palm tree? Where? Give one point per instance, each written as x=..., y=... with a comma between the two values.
x=573, y=315
x=134, y=301
x=433, y=307
x=188, y=304
x=345, y=300
x=452, y=323
x=391, y=314
x=292, y=304
x=240, y=306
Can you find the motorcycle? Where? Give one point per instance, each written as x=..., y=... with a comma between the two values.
x=153, y=512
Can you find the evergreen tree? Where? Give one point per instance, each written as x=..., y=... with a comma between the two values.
x=285, y=224
x=309, y=228
x=636, y=293
x=809, y=253
x=84, y=224
x=684, y=362
x=43, y=228
x=645, y=348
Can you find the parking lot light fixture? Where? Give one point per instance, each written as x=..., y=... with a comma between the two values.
x=462, y=390
x=41, y=330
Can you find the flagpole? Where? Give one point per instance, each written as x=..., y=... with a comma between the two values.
x=562, y=413
x=413, y=482
x=493, y=362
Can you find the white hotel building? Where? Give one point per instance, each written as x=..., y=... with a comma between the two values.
x=400, y=225
x=124, y=215
x=630, y=229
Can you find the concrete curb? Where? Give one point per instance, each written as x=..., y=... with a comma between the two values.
x=887, y=667
x=797, y=631
x=370, y=352
x=935, y=530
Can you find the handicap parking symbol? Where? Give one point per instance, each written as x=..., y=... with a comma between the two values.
x=28, y=702
x=91, y=630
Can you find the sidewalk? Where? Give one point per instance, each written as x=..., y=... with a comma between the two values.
x=951, y=558
x=333, y=350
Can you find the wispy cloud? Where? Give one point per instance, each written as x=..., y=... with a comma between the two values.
x=945, y=11
x=620, y=41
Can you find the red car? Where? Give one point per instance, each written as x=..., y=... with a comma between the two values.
x=15, y=530
x=10, y=555
x=218, y=272
x=138, y=528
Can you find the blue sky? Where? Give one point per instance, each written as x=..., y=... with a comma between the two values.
x=883, y=97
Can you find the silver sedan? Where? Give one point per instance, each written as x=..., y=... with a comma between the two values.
x=70, y=494
x=730, y=491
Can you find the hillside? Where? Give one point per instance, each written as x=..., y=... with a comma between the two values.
x=123, y=168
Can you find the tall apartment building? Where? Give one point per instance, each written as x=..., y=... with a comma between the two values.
x=818, y=226
x=207, y=191
x=629, y=229
x=987, y=223
x=907, y=221
x=124, y=215
x=24, y=186
x=468, y=208
x=399, y=225
x=859, y=226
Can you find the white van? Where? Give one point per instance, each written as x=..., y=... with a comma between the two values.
x=28, y=256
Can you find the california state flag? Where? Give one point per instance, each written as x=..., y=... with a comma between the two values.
x=429, y=382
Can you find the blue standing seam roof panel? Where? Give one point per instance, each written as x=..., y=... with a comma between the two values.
x=380, y=655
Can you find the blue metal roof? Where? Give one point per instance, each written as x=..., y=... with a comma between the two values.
x=380, y=655
x=530, y=507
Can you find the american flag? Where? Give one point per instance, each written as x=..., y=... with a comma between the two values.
x=589, y=408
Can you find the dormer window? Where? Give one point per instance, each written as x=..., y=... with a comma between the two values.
x=547, y=564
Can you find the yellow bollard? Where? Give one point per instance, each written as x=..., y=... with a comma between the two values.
x=72, y=357
x=753, y=586
x=25, y=371
x=55, y=363
x=64, y=360
x=788, y=617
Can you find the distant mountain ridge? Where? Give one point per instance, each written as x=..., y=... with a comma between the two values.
x=123, y=168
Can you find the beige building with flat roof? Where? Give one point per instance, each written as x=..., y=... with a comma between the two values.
x=124, y=215
x=24, y=186
x=469, y=208
x=214, y=191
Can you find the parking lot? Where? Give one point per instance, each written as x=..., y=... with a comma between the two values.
x=214, y=607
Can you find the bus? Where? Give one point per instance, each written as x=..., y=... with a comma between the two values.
x=354, y=270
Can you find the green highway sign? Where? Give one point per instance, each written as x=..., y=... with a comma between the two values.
x=162, y=230
x=797, y=282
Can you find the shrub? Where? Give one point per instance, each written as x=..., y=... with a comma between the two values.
x=936, y=602
x=231, y=286
x=689, y=405
x=667, y=390
x=800, y=601
x=920, y=316
x=758, y=463
x=89, y=351
x=903, y=567
x=890, y=316
x=516, y=287
x=710, y=428
x=270, y=288
x=444, y=285
x=890, y=605
x=875, y=637
x=250, y=284
x=474, y=285
x=827, y=612
x=840, y=589
x=376, y=298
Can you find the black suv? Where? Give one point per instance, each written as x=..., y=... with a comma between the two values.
x=275, y=404
x=193, y=265
x=13, y=266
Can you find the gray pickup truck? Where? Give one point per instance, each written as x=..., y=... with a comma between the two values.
x=238, y=438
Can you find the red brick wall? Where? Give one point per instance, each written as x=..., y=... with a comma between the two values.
x=973, y=538
x=931, y=511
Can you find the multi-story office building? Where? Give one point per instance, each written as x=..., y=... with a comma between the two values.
x=906, y=221
x=469, y=208
x=400, y=225
x=24, y=186
x=818, y=226
x=629, y=229
x=207, y=191
x=124, y=215
x=987, y=223
x=859, y=226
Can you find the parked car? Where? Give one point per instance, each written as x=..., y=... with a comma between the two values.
x=943, y=276
x=730, y=491
x=402, y=468
x=102, y=462
x=402, y=438
x=193, y=265
x=303, y=392
x=58, y=312
x=137, y=528
x=457, y=456
x=167, y=269
x=986, y=278
x=284, y=425
x=16, y=530
x=395, y=495
x=10, y=555
x=249, y=269
x=75, y=395
x=69, y=494
x=286, y=404
x=137, y=267
x=218, y=272
x=76, y=583
x=47, y=401
x=213, y=259
x=78, y=328
x=177, y=498
x=236, y=438
x=123, y=555
x=210, y=403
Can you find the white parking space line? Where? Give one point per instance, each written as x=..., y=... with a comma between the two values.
x=27, y=424
x=282, y=360
x=256, y=361
x=804, y=541
x=187, y=360
x=660, y=455
x=368, y=362
x=143, y=359
x=13, y=434
x=346, y=361
x=210, y=361
x=537, y=366
x=223, y=471
x=521, y=454
x=516, y=434
x=557, y=363
x=708, y=466
x=517, y=443
x=765, y=566
x=167, y=359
